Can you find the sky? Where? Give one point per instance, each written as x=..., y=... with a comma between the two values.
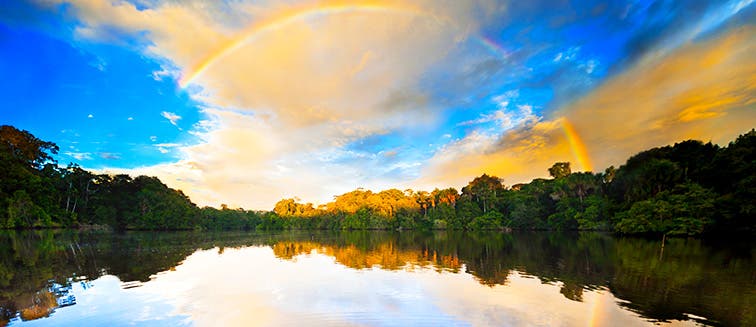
x=245, y=103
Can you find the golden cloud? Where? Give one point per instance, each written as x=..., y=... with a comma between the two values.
x=302, y=88
x=704, y=90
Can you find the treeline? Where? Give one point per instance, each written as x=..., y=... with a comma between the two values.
x=37, y=193
x=688, y=188
x=685, y=189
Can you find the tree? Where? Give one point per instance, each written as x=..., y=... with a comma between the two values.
x=25, y=147
x=560, y=170
x=686, y=210
x=484, y=191
x=24, y=213
x=424, y=200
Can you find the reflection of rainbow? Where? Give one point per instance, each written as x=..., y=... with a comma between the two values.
x=288, y=17
x=577, y=146
x=597, y=310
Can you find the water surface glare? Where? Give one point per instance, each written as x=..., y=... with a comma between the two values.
x=371, y=278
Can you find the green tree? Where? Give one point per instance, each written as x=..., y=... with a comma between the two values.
x=560, y=170
x=22, y=146
x=23, y=213
x=484, y=191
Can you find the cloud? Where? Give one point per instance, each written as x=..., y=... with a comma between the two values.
x=109, y=155
x=130, y=118
x=79, y=155
x=173, y=118
x=506, y=119
x=691, y=93
x=243, y=162
x=281, y=110
x=567, y=55
x=307, y=77
x=165, y=147
x=90, y=116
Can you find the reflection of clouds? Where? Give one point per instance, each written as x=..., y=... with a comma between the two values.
x=103, y=302
x=251, y=286
x=265, y=290
x=524, y=301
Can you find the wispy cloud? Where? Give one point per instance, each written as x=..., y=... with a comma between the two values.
x=109, y=155
x=172, y=117
x=79, y=155
x=165, y=147
x=505, y=118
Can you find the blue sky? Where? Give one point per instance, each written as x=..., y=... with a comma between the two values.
x=321, y=99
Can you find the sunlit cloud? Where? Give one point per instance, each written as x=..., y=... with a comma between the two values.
x=281, y=110
x=287, y=92
x=701, y=91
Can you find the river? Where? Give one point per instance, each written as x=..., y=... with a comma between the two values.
x=67, y=278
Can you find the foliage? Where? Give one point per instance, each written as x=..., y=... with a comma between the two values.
x=560, y=170
x=688, y=188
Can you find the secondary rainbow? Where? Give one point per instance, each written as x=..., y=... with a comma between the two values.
x=286, y=18
x=576, y=144
x=492, y=46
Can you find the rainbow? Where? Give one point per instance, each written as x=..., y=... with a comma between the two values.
x=576, y=144
x=492, y=46
x=288, y=17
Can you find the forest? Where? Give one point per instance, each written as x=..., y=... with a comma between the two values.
x=689, y=188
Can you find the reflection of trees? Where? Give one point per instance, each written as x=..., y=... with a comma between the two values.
x=41, y=305
x=705, y=279
x=690, y=277
x=386, y=255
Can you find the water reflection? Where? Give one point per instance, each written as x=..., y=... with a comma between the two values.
x=371, y=278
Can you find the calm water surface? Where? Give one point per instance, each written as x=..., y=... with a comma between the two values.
x=372, y=278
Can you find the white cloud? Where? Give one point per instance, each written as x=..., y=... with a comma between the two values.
x=173, y=118
x=158, y=75
x=589, y=66
x=90, y=116
x=79, y=155
x=165, y=147
x=109, y=155
x=506, y=119
x=567, y=55
x=130, y=118
x=293, y=96
x=168, y=145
